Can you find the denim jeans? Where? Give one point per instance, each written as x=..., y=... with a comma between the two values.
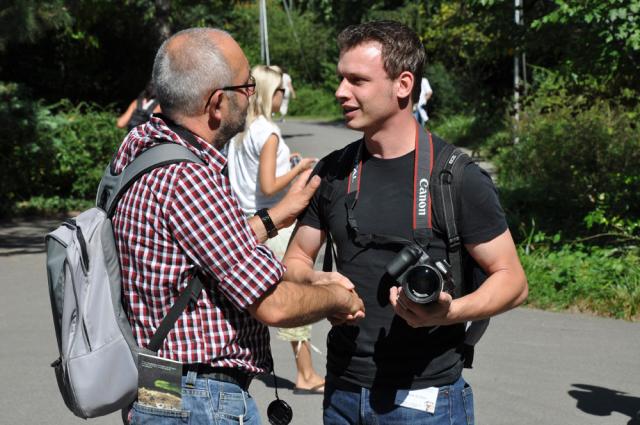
x=204, y=401
x=454, y=406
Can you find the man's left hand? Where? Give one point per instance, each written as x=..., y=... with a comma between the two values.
x=285, y=212
x=420, y=315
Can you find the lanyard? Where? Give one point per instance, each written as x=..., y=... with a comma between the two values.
x=422, y=220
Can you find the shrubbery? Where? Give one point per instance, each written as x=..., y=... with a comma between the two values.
x=314, y=102
x=455, y=129
x=575, y=168
x=24, y=158
x=605, y=281
x=84, y=139
x=574, y=173
x=52, y=151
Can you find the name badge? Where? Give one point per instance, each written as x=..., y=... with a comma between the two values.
x=424, y=399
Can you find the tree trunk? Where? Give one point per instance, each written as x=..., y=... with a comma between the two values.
x=163, y=24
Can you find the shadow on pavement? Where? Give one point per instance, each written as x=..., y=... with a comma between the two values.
x=25, y=236
x=289, y=136
x=282, y=382
x=338, y=122
x=601, y=401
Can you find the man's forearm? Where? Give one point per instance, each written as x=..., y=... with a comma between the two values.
x=299, y=270
x=500, y=292
x=291, y=304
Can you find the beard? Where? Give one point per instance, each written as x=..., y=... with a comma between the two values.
x=233, y=125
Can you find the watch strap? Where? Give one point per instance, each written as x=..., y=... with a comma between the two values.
x=272, y=231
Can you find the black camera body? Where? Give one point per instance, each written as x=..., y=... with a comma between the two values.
x=421, y=277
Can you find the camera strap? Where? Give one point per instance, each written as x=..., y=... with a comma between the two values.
x=422, y=219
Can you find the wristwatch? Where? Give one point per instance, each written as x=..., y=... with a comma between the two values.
x=272, y=231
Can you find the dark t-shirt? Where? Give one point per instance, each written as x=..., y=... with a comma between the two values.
x=382, y=350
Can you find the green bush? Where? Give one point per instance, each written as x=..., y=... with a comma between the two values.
x=25, y=158
x=456, y=129
x=447, y=95
x=314, y=102
x=48, y=206
x=605, y=281
x=52, y=151
x=84, y=139
x=575, y=156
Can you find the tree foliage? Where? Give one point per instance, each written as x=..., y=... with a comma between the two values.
x=600, y=42
x=575, y=167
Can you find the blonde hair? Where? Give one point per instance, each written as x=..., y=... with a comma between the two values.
x=268, y=80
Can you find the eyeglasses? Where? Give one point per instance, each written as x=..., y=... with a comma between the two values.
x=250, y=89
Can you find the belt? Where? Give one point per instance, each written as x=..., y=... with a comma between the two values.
x=223, y=374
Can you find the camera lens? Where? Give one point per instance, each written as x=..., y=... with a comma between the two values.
x=423, y=284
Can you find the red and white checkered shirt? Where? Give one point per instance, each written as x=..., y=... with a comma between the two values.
x=177, y=220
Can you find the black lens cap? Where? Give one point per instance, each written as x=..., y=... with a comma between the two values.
x=279, y=412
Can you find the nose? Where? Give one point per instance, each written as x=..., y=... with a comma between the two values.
x=341, y=91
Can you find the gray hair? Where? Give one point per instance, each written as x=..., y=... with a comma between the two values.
x=186, y=74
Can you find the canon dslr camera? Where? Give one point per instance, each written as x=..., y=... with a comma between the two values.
x=422, y=278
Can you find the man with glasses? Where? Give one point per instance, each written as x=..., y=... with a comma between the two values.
x=182, y=220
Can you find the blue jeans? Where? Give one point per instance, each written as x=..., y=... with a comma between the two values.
x=204, y=401
x=377, y=407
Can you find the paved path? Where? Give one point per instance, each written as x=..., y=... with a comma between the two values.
x=532, y=367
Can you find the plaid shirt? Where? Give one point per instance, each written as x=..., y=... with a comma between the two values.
x=177, y=220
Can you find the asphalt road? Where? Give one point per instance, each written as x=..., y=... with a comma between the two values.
x=531, y=368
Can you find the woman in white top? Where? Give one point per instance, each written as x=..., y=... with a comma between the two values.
x=261, y=170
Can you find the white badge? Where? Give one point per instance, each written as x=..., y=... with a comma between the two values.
x=424, y=399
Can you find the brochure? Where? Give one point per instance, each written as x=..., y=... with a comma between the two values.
x=159, y=382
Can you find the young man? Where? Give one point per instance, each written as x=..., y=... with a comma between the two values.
x=402, y=352
x=182, y=220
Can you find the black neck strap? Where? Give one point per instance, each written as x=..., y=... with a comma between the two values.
x=185, y=134
x=422, y=220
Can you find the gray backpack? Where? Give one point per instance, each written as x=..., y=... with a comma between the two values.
x=97, y=368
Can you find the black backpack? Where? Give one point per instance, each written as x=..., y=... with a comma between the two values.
x=446, y=184
x=141, y=115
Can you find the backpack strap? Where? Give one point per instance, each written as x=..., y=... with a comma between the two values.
x=450, y=165
x=191, y=293
x=449, y=170
x=329, y=254
x=113, y=186
x=345, y=161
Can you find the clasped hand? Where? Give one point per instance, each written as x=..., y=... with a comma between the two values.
x=356, y=310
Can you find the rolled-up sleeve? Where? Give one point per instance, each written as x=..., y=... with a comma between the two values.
x=213, y=232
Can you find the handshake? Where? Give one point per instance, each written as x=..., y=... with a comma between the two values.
x=350, y=307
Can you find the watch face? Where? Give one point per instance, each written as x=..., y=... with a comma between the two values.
x=279, y=412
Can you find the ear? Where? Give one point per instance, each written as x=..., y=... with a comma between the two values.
x=215, y=109
x=405, y=83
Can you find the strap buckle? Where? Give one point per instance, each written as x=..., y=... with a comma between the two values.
x=454, y=243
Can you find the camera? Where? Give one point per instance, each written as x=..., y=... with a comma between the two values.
x=421, y=277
